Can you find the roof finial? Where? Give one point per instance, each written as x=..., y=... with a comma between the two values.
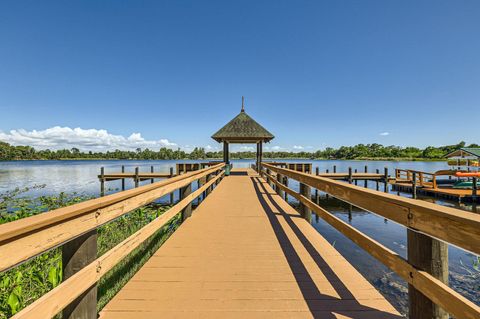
x=243, y=104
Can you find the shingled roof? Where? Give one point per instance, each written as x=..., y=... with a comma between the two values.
x=243, y=129
x=465, y=151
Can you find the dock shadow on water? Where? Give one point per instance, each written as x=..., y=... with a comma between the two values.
x=312, y=295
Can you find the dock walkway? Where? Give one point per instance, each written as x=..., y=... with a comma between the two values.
x=245, y=253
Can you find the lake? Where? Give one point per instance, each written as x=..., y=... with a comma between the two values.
x=81, y=176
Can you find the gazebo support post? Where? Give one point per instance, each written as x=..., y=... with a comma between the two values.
x=259, y=156
x=226, y=157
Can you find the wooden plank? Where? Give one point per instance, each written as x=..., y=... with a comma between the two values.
x=64, y=224
x=55, y=300
x=452, y=225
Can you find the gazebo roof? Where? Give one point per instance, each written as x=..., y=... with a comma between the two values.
x=242, y=129
x=465, y=151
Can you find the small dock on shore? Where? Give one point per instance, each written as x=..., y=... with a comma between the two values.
x=427, y=184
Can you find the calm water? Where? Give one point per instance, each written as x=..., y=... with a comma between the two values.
x=81, y=176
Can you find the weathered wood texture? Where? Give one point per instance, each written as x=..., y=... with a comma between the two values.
x=246, y=254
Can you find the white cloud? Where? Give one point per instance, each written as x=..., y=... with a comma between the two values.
x=85, y=139
x=385, y=133
x=298, y=147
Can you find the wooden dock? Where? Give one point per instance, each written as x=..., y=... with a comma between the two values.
x=246, y=253
x=459, y=195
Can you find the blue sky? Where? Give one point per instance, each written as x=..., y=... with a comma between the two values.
x=315, y=73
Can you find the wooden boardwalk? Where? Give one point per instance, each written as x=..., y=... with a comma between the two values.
x=245, y=253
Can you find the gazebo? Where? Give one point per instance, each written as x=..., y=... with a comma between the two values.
x=242, y=129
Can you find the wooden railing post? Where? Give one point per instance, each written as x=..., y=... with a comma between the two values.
x=304, y=210
x=184, y=192
x=280, y=180
x=209, y=189
x=172, y=194
x=201, y=182
x=285, y=182
x=76, y=254
x=430, y=255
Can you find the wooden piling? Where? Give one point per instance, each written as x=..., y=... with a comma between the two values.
x=137, y=179
x=377, y=185
x=184, y=192
x=430, y=255
x=123, y=179
x=77, y=254
x=356, y=180
x=172, y=194
x=334, y=168
x=151, y=171
x=365, y=182
x=102, y=181
x=350, y=178
x=385, y=179
x=414, y=185
x=317, y=170
x=474, y=186
x=304, y=210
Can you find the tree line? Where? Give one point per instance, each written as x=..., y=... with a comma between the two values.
x=359, y=151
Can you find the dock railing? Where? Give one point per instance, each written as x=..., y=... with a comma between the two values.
x=429, y=228
x=422, y=179
x=74, y=228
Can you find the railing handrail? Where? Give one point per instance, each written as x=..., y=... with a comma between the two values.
x=448, y=224
x=18, y=239
x=434, y=289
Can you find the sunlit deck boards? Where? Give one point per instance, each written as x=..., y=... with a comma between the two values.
x=246, y=253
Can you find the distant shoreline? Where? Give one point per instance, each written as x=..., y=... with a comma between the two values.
x=390, y=159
